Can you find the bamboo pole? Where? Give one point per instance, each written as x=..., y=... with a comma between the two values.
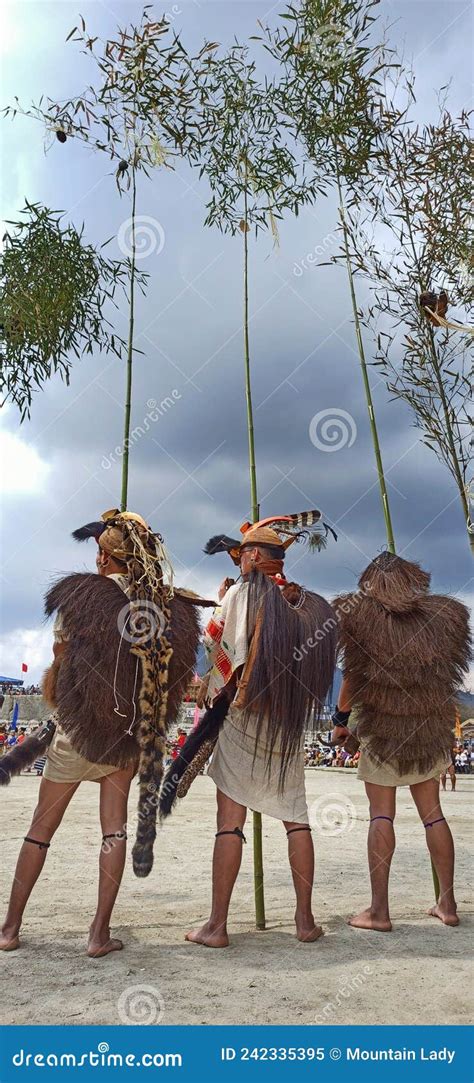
x=257, y=816
x=365, y=375
x=131, y=326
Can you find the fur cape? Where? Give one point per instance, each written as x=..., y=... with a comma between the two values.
x=285, y=682
x=405, y=654
x=98, y=678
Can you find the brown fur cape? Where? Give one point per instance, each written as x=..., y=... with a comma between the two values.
x=87, y=673
x=292, y=636
x=405, y=654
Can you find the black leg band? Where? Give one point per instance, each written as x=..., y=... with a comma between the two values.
x=236, y=831
x=433, y=822
x=115, y=835
x=293, y=829
x=42, y=845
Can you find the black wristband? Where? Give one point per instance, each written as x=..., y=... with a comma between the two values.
x=340, y=718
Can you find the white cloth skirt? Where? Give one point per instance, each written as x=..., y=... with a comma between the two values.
x=384, y=774
x=245, y=779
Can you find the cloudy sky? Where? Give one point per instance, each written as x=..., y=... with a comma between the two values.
x=189, y=474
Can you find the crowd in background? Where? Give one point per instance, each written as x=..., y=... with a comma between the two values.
x=319, y=756
x=14, y=690
x=315, y=754
x=463, y=760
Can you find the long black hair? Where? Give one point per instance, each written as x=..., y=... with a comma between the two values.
x=292, y=664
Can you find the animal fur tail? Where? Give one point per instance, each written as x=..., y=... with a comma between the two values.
x=24, y=754
x=152, y=742
x=207, y=730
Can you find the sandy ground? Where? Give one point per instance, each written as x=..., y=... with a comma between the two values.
x=417, y=974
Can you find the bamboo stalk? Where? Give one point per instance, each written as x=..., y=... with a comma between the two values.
x=248, y=386
x=365, y=375
x=131, y=326
x=257, y=817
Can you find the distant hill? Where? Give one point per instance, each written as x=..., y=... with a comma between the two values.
x=467, y=698
x=466, y=705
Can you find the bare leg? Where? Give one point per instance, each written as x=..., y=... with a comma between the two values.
x=114, y=790
x=225, y=867
x=301, y=858
x=440, y=844
x=380, y=848
x=53, y=800
x=443, y=780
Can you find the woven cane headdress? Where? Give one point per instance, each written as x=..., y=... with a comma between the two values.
x=277, y=530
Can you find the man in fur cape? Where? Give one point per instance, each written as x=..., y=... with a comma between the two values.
x=273, y=688
x=405, y=653
x=125, y=647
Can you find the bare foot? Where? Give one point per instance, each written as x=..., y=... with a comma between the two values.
x=367, y=920
x=306, y=929
x=447, y=917
x=101, y=943
x=210, y=936
x=9, y=941
x=307, y=936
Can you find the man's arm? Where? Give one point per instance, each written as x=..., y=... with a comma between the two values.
x=224, y=587
x=344, y=706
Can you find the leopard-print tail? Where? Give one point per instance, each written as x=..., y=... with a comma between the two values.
x=152, y=741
